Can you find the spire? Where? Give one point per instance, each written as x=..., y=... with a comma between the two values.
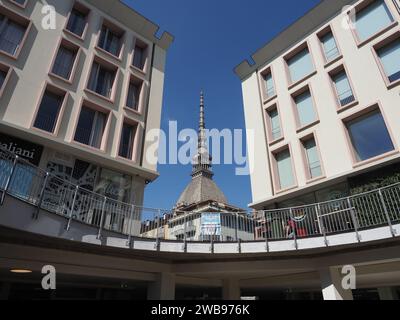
x=202, y=161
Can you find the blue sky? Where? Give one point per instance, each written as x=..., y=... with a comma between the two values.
x=211, y=38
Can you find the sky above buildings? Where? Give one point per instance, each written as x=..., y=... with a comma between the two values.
x=211, y=38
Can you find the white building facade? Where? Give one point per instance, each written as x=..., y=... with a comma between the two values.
x=78, y=100
x=322, y=99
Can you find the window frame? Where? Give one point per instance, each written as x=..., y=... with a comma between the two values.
x=77, y=5
x=332, y=73
x=117, y=30
x=8, y=70
x=55, y=90
x=304, y=155
x=275, y=172
x=293, y=53
x=66, y=43
x=22, y=6
x=295, y=110
x=322, y=33
x=267, y=119
x=136, y=141
x=374, y=107
x=263, y=89
x=108, y=65
x=139, y=42
x=359, y=7
x=392, y=37
x=21, y=20
x=96, y=107
x=142, y=95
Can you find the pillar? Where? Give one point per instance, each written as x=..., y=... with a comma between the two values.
x=331, y=284
x=388, y=293
x=163, y=288
x=230, y=289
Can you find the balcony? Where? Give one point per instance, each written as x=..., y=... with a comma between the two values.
x=36, y=201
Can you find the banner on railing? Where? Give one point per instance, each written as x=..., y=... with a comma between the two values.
x=210, y=224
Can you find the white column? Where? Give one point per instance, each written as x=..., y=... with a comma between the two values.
x=230, y=289
x=388, y=294
x=163, y=288
x=331, y=284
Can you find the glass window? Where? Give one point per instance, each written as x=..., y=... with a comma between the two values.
x=77, y=22
x=275, y=124
x=133, y=95
x=313, y=161
x=90, y=128
x=305, y=108
x=21, y=2
x=64, y=62
x=369, y=136
x=390, y=58
x=101, y=80
x=372, y=19
x=110, y=41
x=343, y=88
x=127, y=141
x=49, y=110
x=139, y=57
x=11, y=35
x=331, y=50
x=285, y=170
x=114, y=185
x=269, y=85
x=300, y=65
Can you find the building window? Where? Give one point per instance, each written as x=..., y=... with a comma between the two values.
x=372, y=19
x=269, y=85
x=343, y=88
x=369, y=136
x=102, y=79
x=127, y=141
x=314, y=168
x=12, y=33
x=389, y=56
x=329, y=45
x=78, y=20
x=300, y=65
x=305, y=108
x=49, y=111
x=134, y=93
x=274, y=124
x=91, y=126
x=20, y=3
x=140, y=55
x=5, y=72
x=111, y=39
x=284, y=169
x=65, y=60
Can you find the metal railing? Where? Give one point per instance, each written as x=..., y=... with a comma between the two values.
x=22, y=180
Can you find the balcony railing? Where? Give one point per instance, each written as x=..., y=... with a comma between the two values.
x=22, y=180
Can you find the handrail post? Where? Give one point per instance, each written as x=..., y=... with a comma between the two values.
x=131, y=217
x=8, y=182
x=71, y=212
x=321, y=225
x=237, y=227
x=185, y=232
x=103, y=209
x=158, y=219
x=294, y=229
x=387, y=213
x=354, y=218
x=41, y=196
x=266, y=231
